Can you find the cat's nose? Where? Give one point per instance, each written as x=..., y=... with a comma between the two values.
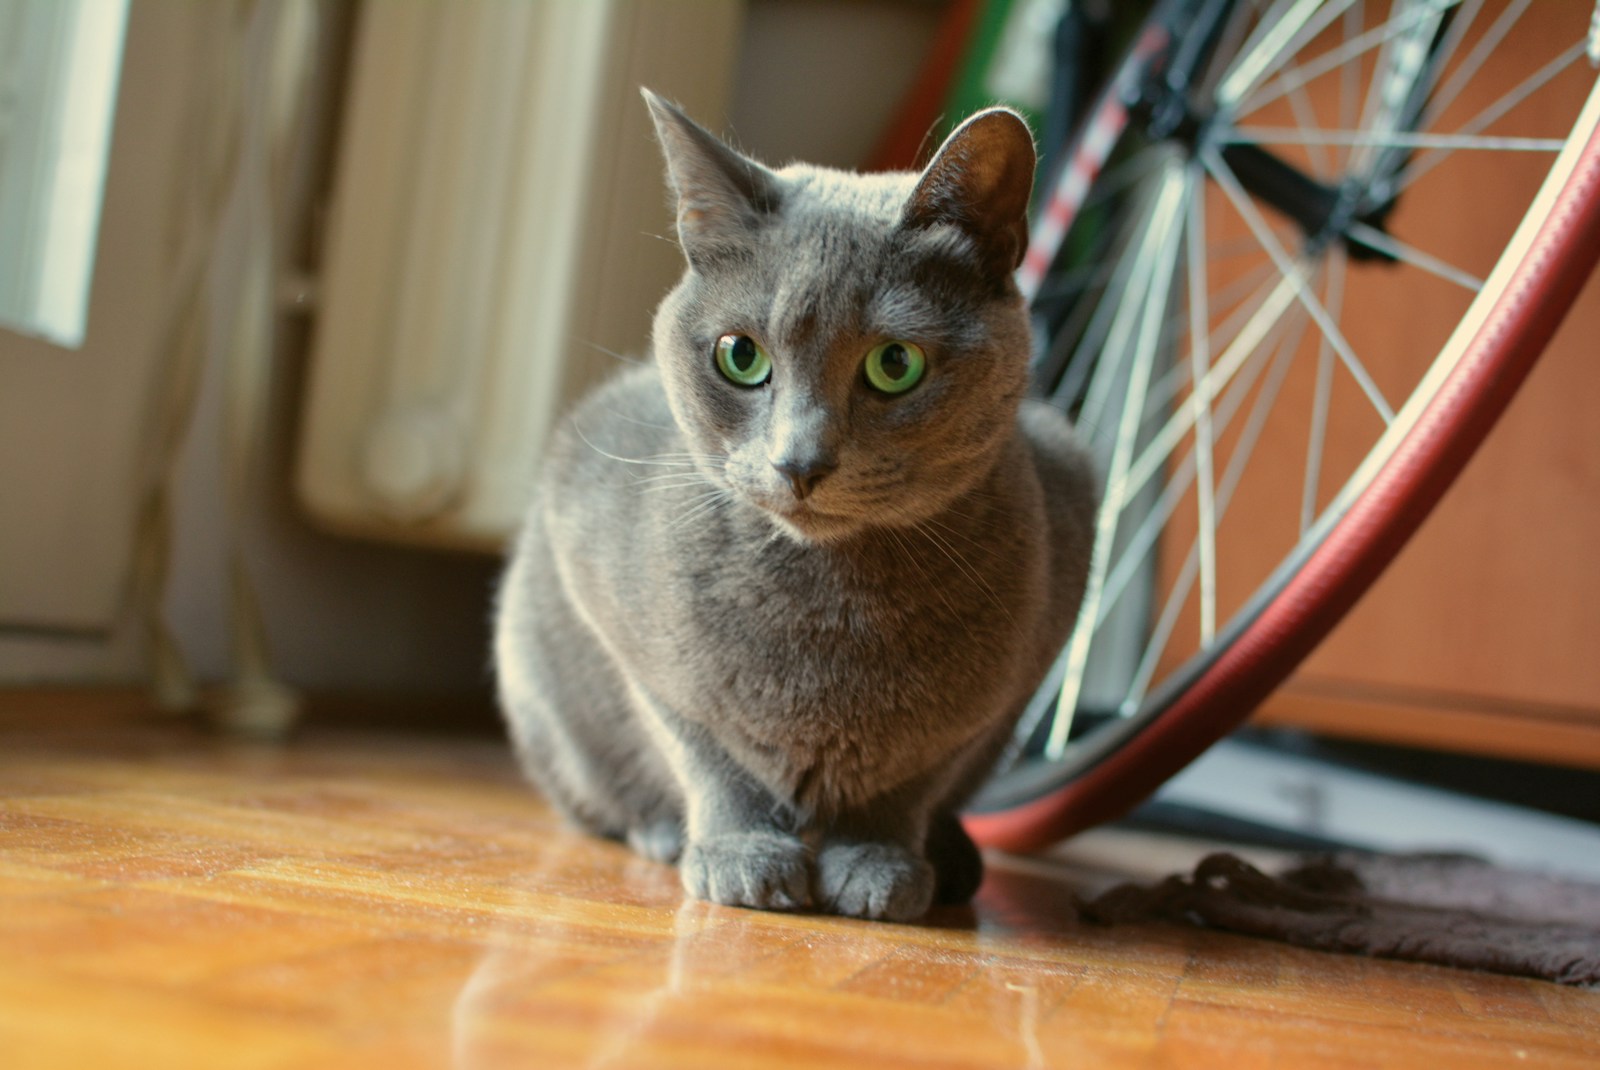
x=803, y=476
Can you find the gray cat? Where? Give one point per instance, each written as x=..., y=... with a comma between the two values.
x=781, y=595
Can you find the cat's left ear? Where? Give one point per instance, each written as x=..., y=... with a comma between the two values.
x=980, y=180
x=722, y=195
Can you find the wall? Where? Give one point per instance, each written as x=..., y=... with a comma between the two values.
x=819, y=80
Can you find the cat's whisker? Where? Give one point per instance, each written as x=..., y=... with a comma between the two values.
x=614, y=355
x=654, y=460
x=928, y=137
x=700, y=514
x=988, y=518
x=959, y=560
x=694, y=506
x=955, y=534
x=710, y=490
x=869, y=488
x=689, y=511
x=669, y=487
x=624, y=417
x=686, y=465
x=688, y=468
x=665, y=488
x=693, y=474
x=913, y=559
x=701, y=508
x=988, y=524
x=672, y=481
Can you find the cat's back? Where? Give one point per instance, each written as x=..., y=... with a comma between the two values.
x=1071, y=495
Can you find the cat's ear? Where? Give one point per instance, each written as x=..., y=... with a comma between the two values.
x=722, y=196
x=980, y=180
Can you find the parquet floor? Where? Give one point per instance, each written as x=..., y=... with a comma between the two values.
x=357, y=900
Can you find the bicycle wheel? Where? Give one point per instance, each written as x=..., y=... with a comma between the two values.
x=1277, y=253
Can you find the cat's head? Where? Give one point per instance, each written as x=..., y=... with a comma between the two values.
x=847, y=351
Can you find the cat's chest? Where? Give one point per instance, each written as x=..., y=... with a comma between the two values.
x=822, y=662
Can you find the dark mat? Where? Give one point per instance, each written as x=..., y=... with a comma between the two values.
x=1449, y=910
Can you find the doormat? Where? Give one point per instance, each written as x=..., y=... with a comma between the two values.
x=1449, y=910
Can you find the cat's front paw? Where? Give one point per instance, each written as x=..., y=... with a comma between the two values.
x=766, y=870
x=873, y=880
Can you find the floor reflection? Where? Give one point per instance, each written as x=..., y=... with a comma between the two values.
x=674, y=980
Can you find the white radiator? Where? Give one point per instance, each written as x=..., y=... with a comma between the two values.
x=498, y=225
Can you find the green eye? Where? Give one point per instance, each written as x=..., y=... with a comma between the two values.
x=895, y=367
x=742, y=361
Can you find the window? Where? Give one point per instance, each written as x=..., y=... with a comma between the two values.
x=59, y=61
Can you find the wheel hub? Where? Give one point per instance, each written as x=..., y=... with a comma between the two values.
x=1164, y=110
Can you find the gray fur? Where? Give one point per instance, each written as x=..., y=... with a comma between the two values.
x=792, y=698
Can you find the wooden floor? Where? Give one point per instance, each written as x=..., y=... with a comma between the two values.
x=366, y=900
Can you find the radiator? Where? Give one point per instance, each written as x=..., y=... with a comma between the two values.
x=497, y=237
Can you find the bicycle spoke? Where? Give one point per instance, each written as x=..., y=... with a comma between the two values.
x=1401, y=66
x=1250, y=435
x=1085, y=359
x=1410, y=254
x=1445, y=51
x=1350, y=77
x=1164, y=393
x=1452, y=86
x=1319, y=405
x=1233, y=297
x=1280, y=135
x=1532, y=84
x=1106, y=362
x=1108, y=351
x=1199, y=367
x=1138, y=546
x=1091, y=276
x=1252, y=216
x=1239, y=24
x=1158, y=249
x=1250, y=51
x=1236, y=247
x=1305, y=118
x=1282, y=30
x=1119, y=177
x=1226, y=367
x=1341, y=56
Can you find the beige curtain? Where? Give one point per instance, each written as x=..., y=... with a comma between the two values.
x=222, y=313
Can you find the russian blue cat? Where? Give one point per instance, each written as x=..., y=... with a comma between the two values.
x=782, y=593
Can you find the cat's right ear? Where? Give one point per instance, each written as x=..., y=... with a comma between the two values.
x=980, y=181
x=722, y=196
